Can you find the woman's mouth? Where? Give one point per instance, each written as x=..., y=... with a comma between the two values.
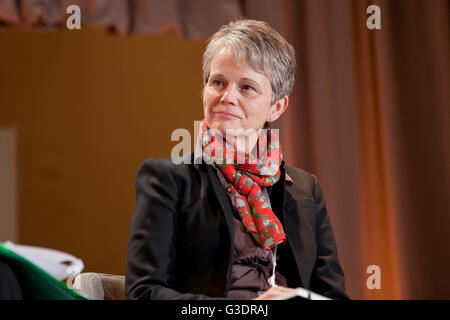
x=226, y=115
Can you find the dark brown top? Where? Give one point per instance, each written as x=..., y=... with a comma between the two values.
x=252, y=266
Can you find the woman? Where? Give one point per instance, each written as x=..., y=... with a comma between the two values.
x=240, y=224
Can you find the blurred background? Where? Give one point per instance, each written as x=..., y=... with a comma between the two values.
x=369, y=116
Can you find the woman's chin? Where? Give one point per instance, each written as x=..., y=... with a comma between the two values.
x=223, y=127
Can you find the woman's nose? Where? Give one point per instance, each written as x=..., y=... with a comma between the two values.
x=229, y=96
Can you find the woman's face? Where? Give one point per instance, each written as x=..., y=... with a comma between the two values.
x=236, y=96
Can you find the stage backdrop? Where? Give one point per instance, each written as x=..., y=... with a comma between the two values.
x=87, y=108
x=368, y=115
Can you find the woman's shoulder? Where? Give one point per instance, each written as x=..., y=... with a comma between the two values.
x=164, y=166
x=303, y=182
x=299, y=175
x=185, y=162
x=164, y=174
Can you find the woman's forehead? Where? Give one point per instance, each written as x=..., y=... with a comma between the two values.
x=227, y=54
x=225, y=57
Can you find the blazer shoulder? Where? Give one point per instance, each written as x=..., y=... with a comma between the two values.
x=163, y=163
x=305, y=184
x=165, y=168
x=300, y=176
x=293, y=171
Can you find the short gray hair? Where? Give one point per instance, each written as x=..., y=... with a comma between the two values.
x=258, y=44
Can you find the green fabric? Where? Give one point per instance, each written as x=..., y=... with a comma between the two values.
x=36, y=283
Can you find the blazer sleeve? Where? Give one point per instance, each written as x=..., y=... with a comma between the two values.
x=151, y=257
x=328, y=276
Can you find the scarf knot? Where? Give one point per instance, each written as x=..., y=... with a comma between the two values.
x=246, y=179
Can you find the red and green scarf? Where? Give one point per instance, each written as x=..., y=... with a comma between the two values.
x=260, y=168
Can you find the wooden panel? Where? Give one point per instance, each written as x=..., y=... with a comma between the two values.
x=8, y=185
x=89, y=108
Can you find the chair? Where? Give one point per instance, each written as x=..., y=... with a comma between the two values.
x=98, y=286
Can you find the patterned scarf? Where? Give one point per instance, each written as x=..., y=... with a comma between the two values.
x=260, y=168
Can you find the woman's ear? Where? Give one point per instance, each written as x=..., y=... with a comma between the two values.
x=277, y=109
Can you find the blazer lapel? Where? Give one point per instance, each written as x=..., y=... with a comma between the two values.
x=304, y=257
x=213, y=179
x=225, y=205
x=286, y=209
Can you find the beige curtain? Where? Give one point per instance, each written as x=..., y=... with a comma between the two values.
x=186, y=18
x=370, y=117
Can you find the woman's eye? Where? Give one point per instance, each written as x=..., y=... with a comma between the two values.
x=217, y=82
x=247, y=87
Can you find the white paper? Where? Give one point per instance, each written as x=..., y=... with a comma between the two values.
x=49, y=260
x=301, y=292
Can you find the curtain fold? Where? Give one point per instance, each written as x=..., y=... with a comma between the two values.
x=189, y=19
x=149, y=16
x=9, y=12
x=370, y=117
x=51, y=14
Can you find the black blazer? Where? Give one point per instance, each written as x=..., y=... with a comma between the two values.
x=181, y=234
